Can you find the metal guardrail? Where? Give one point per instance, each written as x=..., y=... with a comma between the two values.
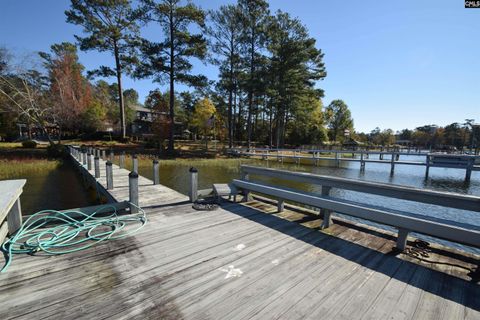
x=403, y=221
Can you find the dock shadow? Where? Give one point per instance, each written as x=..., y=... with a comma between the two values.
x=363, y=256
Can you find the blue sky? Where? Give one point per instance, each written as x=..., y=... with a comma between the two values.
x=397, y=64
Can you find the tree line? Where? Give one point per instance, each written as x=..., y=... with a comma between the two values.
x=267, y=92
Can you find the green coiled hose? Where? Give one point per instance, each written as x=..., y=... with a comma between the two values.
x=55, y=232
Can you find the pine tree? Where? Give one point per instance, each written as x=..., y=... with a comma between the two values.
x=169, y=60
x=110, y=26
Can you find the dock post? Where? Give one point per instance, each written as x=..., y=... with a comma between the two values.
x=109, y=173
x=122, y=160
x=193, y=191
x=156, y=172
x=89, y=161
x=133, y=191
x=135, y=163
x=112, y=155
x=392, y=164
x=104, y=154
x=337, y=161
x=280, y=205
x=97, y=167
x=84, y=157
x=381, y=154
x=325, y=214
x=362, y=162
x=427, y=169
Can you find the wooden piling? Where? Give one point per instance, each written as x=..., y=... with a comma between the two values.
x=193, y=190
x=109, y=174
x=392, y=164
x=89, y=161
x=97, y=167
x=427, y=166
x=133, y=191
x=156, y=172
x=122, y=160
x=135, y=163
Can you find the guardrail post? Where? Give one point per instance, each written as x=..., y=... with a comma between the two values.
x=392, y=164
x=109, y=174
x=325, y=214
x=89, y=161
x=133, y=191
x=156, y=172
x=96, y=161
x=193, y=191
x=122, y=160
x=135, y=163
x=280, y=205
x=14, y=217
x=402, y=239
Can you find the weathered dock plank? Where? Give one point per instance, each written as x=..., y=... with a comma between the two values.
x=177, y=267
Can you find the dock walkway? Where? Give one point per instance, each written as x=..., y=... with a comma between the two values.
x=242, y=261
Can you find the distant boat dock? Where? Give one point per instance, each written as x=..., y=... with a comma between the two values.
x=468, y=163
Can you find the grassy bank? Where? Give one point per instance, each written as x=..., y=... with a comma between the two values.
x=15, y=168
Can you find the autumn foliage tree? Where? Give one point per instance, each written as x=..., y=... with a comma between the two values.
x=70, y=92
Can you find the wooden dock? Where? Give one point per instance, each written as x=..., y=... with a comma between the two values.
x=392, y=158
x=241, y=261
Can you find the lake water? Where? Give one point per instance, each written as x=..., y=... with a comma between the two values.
x=62, y=188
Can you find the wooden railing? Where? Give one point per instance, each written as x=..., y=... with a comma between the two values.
x=10, y=208
x=405, y=222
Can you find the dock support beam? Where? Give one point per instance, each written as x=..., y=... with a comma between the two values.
x=109, y=173
x=193, y=190
x=97, y=167
x=133, y=191
x=325, y=214
x=156, y=172
x=135, y=163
